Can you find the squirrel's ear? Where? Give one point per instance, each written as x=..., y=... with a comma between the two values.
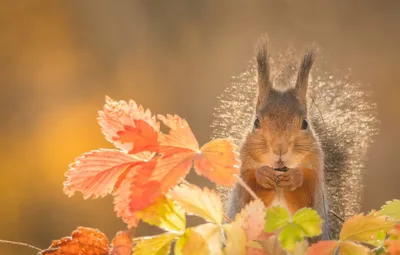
x=303, y=75
x=262, y=58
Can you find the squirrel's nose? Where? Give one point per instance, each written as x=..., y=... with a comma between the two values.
x=280, y=149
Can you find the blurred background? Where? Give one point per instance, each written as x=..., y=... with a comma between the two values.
x=58, y=59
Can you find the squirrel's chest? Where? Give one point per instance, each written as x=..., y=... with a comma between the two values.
x=279, y=199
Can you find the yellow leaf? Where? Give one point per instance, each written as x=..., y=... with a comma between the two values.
x=391, y=209
x=165, y=214
x=203, y=239
x=155, y=245
x=213, y=235
x=364, y=228
x=236, y=239
x=191, y=243
x=204, y=203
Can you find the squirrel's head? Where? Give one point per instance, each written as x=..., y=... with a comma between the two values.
x=281, y=136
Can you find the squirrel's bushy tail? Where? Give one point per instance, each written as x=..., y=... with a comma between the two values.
x=342, y=116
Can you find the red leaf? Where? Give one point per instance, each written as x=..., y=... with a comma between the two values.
x=323, y=248
x=142, y=135
x=86, y=241
x=97, y=173
x=122, y=244
x=136, y=189
x=129, y=126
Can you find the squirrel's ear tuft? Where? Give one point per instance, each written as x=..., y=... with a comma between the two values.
x=262, y=58
x=303, y=75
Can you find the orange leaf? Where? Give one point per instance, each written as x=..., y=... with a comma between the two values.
x=98, y=173
x=122, y=244
x=255, y=251
x=393, y=243
x=323, y=248
x=86, y=241
x=351, y=248
x=218, y=162
x=129, y=126
x=180, y=138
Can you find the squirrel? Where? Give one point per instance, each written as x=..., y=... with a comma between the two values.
x=317, y=128
x=282, y=160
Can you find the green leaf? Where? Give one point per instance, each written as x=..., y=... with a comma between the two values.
x=275, y=218
x=309, y=221
x=391, y=210
x=155, y=245
x=236, y=239
x=165, y=214
x=290, y=235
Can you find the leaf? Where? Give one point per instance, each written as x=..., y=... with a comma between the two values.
x=251, y=219
x=236, y=239
x=165, y=214
x=218, y=162
x=364, y=228
x=191, y=243
x=129, y=126
x=201, y=202
x=391, y=210
x=82, y=241
x=213, y=236
x=97, y=173
x=255, y=251
x=309, y=221
x=290, y=235
x=393, y=242
x=323, y=248
x=122, y=244
x=393, y=247
x=350, y=248
x=275, y=218
x=180, y=137
x=155, y=245
x=137, y=190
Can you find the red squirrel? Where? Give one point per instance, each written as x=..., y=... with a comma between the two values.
x=281, y=158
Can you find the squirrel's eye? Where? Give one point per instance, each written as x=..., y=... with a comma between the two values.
x=304, y=124
x=257, y=122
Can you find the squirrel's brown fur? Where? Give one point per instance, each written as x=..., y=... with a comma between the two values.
x=281, y=114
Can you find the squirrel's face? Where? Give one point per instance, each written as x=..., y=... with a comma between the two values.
x=281, y=136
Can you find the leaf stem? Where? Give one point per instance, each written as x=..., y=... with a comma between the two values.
x=21, y=244
x=246, y=187
x=338, y=216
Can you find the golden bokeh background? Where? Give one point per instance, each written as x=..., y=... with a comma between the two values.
x=58, y=59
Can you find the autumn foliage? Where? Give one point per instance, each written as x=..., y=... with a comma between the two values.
x=145, y=174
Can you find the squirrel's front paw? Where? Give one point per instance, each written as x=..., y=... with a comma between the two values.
x=292, y=179
x=266, y=177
